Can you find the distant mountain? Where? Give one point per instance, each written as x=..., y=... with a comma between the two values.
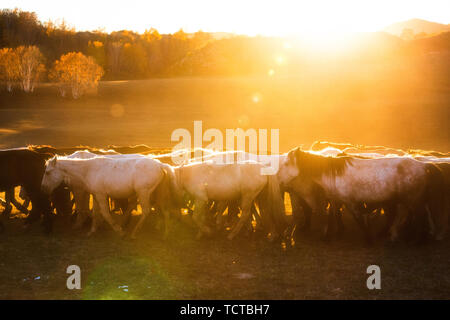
x=417, y=26
x=222, y=35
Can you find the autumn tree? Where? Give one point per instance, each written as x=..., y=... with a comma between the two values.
x=134, y=60
x=96, y=49
x=9, y=67
x=30, y=67
x=76, y=72
x=113, y=56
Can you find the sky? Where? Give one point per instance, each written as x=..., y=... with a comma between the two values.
x=263, y=17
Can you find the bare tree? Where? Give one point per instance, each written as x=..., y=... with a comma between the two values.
x=30, y=66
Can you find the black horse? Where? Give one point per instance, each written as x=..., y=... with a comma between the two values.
x=25, y=168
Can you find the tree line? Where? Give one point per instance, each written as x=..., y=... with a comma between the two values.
x=122, y=54
x=35, y=51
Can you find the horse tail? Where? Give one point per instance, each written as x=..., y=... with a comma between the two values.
x=170, y=183
x=271, y=204
x=436, y=201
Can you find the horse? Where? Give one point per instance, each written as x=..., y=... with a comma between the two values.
x=81, y=197
x=127, y=205
x=355, y=182
x=25, y=168
x=243, y=181
x=229, y=157
x=106, y=177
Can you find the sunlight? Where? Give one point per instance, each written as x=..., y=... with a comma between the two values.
x=280, y=60
x=283, y=18
x=256, y=97
x=325, y=41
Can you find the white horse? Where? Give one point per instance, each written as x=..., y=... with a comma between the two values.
x=353, y=182
x=103, y=177
x=85, y=154
x=272, y=162
x=81, y=196
x=207, y=180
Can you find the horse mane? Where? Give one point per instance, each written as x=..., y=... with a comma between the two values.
x=42, y=148
x=140, y=148
x=311, y=165
x=320, y=145
x=432, y=153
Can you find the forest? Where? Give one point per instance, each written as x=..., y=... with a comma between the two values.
x=129, y=55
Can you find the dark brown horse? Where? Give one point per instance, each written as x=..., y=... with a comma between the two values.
x=25, y=168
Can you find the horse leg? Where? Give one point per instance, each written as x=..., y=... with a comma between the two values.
x=95, y=217
x=8, y=208
x=246, y=213
x=298, y=207
x=357, y=215
x=399, y=220
x=21, y=207
x=3, y=202
x=220, y=219
x=61, y=201
x=7, y=211
x=422, y=225
x=167, y=222
x=307, y=212
x=131, y=204
x=340, y=222
x=233, y=212
x=102, y=201
x=331, y=221
x=390, y=212
x=81, y=199
x=198, y=217
x=144, y=200
x=258, y=219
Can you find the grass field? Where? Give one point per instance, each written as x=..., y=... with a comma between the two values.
x=363, y=109
x=184, y=268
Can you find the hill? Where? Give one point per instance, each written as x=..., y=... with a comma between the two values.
x=417, y=26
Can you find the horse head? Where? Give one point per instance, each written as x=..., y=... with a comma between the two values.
x=288, y=168
x=53, y=177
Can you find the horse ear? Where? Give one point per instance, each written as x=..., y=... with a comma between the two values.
x=52, y=161
x=298, y=154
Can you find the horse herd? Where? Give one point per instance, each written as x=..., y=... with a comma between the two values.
x=226, y=192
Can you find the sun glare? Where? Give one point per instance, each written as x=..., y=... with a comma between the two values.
x=323, y=18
